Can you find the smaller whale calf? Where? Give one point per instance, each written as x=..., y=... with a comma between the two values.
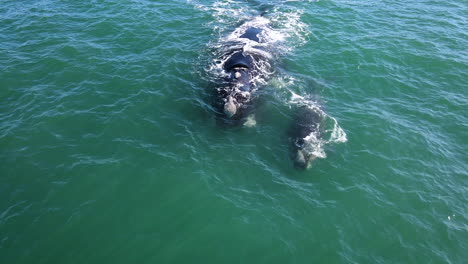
x=305, y=134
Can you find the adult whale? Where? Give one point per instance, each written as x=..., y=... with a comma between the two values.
x=235, y=97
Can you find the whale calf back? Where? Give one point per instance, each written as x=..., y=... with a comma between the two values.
x=305, y=133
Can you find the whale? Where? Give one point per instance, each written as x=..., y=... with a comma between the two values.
x=235, y=96
x=305, y=133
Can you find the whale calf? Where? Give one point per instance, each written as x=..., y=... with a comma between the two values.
x=305, y=132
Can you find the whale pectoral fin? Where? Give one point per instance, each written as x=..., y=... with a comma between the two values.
x=250, y=122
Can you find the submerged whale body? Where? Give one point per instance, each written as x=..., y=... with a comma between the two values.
x=305, y=133
x=235, y=96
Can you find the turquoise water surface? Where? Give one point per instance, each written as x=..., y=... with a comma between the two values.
x=111, y=153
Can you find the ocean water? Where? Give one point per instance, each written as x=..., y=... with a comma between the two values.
x=110, y=151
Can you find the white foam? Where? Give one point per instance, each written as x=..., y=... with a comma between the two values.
x=287, y=23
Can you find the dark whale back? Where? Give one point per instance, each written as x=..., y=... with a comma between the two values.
x=238, y=59
x=251, y=34
x=306, y=122
x=235, y=99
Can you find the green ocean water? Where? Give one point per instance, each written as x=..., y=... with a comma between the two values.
x=111, y=153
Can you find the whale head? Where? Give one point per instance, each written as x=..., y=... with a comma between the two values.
x=302, y=159
x=230, y=107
